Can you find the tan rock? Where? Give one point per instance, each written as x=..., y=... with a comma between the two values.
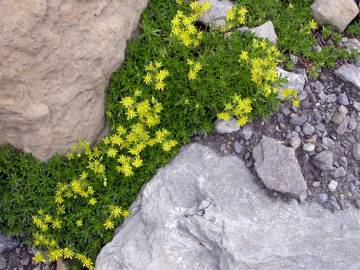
x=338, y=13
x=56, y=58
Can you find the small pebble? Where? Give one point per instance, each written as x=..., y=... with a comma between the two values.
x=308, y=129
x=333, y=185
x=308, y=147
x=295, y=142
x=337, y=118
x=246, y=132
x=237, y=147
x=342, y=109
x=339, y=172
x=343, y=99
x=316, y=184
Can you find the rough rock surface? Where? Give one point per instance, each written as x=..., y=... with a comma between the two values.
x=216, y=15
x=278, y=167
x=203, y=211
x=265, y=30
x=338, y=13
x=55, y=61
x=349, y=73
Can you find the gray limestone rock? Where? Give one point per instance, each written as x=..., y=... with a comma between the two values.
x=216, y=15
x=324, y=160
x=338, y=13
x=225, y=127
x=278, y=167
x=266, y=31
x=204, y=212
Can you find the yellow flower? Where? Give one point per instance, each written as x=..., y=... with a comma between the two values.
x=224, y=116
x=126, y=213
x=92, y=201
x=192, y=75
x=231, y=13
x=190, y=62
x=296, y=103
x=70, y=156
x=39, y=258
x=111, y=152
x=313, y=25
x=47, y=219
x=56, y=224
x=55, y=255
x=206, y=6
x=131, y=114
x=150, y=67
x=68, y=253
x=116, y=211
x=168, y=145
x=244, y=56
x=138, y=162
x=121, y=130
x=162, y=74
x=158, y=64
x=160, y=85
x=243, y=11
x=197, y=67
x=137, y=93
x=127, y=102
x=242, y=121
x=79, y=223
x=127, y=170
x=147, y=78
x=109, y=224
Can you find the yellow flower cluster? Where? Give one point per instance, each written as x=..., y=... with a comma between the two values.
x=291, y=95
x=76, y=188
x=42, y=221
x=236, y=16
x=156, y=75
x=183, y=26
x=126, y=144
x=263, y=66
x=195, y=67
x=54, y=253
x=239, y=107
x=116, y=212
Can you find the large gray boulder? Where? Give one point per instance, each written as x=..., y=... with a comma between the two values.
x=56, y=58
x=278, y=168
x=338, y=13
x=205, y=212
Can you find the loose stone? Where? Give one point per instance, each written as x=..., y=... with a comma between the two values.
x=333, y=185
